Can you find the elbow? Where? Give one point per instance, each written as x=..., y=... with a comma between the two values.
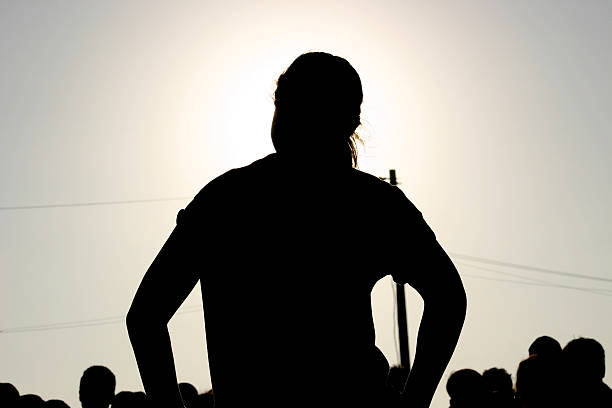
x=462, y=301
x=450, y=301
x=132, y=322
x=140, y=324
x=459, y=304
x=457, y=296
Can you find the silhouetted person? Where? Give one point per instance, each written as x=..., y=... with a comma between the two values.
x=55, y=403
x=30, y=401
x=287, y=252
x=140, y=400
x=97, y=387
x=205, y=400
x=123, y=399
x=129, y=399
x=584, y=366
x=545, y=346
x=538, y=383
x=466, y=389
x=188, y=393
x=8, y=395
x=397, y=378
x=499, y=387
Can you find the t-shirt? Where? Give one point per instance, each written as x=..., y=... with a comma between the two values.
x=287, y=258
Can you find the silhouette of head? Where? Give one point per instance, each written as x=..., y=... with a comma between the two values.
x=466, y=388
x=545, y=346
x=396, y=379
x=189, y=393
x=140, y=400
x=538, y=382
x=8, y=395
x=55, y=403
x=206, y=400
x=30, y=401
x=129, y=399
x=499, y=387
x=318, y=106
x=123, y=399
x=97, y=387
x=585, y=360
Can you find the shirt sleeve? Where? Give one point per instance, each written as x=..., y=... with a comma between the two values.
x=204, y=205
x=413, y=237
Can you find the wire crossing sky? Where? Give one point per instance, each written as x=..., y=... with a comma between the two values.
x=525, y=280
x=89, y=204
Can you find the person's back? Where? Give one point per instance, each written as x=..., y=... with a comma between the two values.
x=287, y=251
x=288, y=272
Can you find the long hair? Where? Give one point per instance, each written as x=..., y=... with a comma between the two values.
x=318, y=103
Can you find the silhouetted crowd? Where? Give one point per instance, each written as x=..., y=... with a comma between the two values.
x=97, y=390
x=550, y=377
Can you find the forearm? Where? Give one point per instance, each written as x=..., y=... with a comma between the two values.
x=153, y=351
x=438, y=335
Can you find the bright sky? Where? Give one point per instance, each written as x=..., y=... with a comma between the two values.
x=496, y=116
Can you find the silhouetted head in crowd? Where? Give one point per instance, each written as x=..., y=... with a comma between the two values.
x=8, y=395
x=538, y=382
x=129, y=399
x=396, y=380
x=499, y=387
x=189, y=393
x=206, y=400
x=55, y=403
x=123, y=399
x=30, y=401
x=318, y=107
x=97, y=387
x=585, y=360
x=545, y=346
x=466, y=388
x=140, y=399
x=584, y=365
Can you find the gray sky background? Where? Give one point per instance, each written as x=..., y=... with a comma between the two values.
x=496, y=116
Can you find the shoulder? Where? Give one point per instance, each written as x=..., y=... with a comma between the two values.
x=389, y=194
x=240, y=175
x=237, y=176
x=222, y=189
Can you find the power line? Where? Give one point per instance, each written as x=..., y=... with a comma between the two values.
x=549, y=285
x=92, y=203
x=120, y=319
x=540, y=281
x=82, y=323
x=523, y=282
x=528, y=267
x=101, y=320
x=515, y=275
x=469, y=275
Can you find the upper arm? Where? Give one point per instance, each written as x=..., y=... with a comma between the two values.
x=429, y=270
x=167, y=282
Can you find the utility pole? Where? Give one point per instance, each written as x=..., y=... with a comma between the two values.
x=402, y=318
